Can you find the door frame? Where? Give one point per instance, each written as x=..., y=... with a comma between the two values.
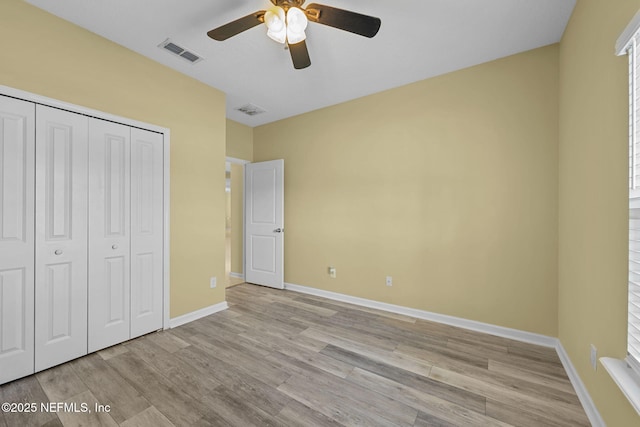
x=50, y=102
x=242, y=162
x=281, y=225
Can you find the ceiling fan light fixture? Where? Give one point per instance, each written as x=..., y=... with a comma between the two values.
x=296, y=24
x=274, y=19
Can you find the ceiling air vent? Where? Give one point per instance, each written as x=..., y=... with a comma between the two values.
x=250, y=110
x=180, y=51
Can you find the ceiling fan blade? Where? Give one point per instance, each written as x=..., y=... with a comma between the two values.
x=237, y=26
x=353, y=22
x=299, y=55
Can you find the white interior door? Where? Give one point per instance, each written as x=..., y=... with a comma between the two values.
x=146, y=231
x=61, y=237
x=109, y=234
x=264, y=223
x=16, y=238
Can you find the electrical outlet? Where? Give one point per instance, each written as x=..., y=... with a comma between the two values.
x=213, y=283
x=332, y=272
x=594, y=357
x=389, y=281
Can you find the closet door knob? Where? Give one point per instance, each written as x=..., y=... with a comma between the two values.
x=58, y=252
x=114, y=247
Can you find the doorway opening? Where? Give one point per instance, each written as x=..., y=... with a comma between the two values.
x=234, y=221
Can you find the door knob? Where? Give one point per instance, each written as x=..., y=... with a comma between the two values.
x=58, y=252
x=114, y=247
x=278, y=230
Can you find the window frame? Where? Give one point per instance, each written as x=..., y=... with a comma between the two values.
x=626, y=373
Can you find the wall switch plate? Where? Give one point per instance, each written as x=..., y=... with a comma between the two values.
x=389, y=281
x=332, y=272
x=213, y=283
x=594, y=357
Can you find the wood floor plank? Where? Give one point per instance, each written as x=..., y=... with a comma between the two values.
x=562, y=384
x=532, y=351
x=518, y=385
x=109, y=387
x=378, y=404
x=429, y=420
x=302, y=366
x=443, y=391
x=275, y=343
x=179, y=407
x=549, y=366
x=350, y=333
x=442, y=357
x=341, y=409
x=241, y=383
x=224, y=403
x=521, y=417
x=423, y=402
x=150, y=417
x=397, y=331
x=181, y=374
x=167, y=341
x=297, y=307
x=26, y=390
x=390, y=358
x=267, y=372
x=543, y=407
x=311, y=358
x=60, y=383
x=112, y=351
x=448, y=331
x=344, y=306
x=296, y=414
x=91, y=417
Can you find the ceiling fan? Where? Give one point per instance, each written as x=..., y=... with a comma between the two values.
x=287, y=20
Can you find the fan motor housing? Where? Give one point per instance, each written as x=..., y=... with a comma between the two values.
x=286, y=4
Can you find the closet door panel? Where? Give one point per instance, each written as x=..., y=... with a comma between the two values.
x=61, y=237
x=17, y=142
x=109, y=234
x=146, y=231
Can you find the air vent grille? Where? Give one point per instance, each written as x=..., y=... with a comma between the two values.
x=250, y=110
x=183, y=53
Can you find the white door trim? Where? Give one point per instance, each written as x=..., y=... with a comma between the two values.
x=50, y=102
x=236, y=160
x=268, y=229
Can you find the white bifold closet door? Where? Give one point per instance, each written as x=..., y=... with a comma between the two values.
x=125, y=233
x=16, y=237
x=146, y=231
x=81, y=235
x=61, y=237
x=109, y=234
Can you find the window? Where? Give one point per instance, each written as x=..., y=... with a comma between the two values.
x=627, y=373
x=633, y=325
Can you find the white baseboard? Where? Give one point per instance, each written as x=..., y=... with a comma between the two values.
x=583, y=395
x=198, y=314
x=236, y=275
x=514, y=334
x=473, y=325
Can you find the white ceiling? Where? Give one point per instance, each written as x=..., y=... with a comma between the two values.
x=418, y=39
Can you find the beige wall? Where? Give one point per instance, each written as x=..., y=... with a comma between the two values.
x=593, y=197
x=449, y=185
x=240, y=146
x=48, y=56
x=239, y=141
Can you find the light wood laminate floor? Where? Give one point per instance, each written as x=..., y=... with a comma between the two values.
x=280, y=358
